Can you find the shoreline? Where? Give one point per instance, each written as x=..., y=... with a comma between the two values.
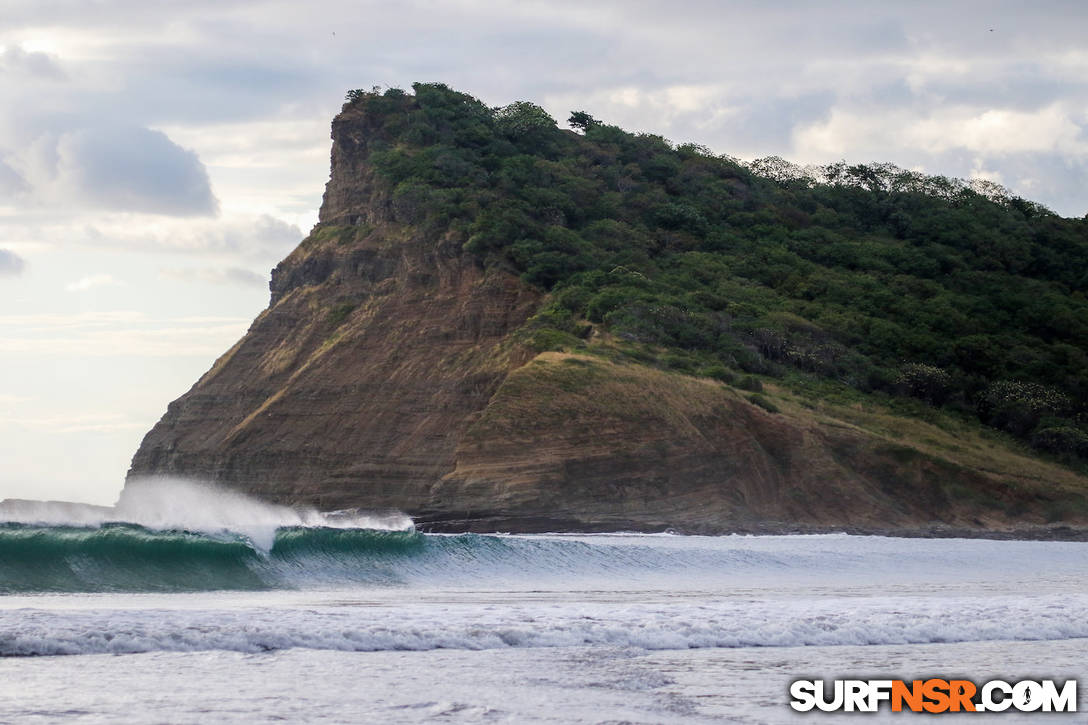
x=544, y=525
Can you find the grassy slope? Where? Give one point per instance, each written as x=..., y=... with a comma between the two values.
x=961, y=472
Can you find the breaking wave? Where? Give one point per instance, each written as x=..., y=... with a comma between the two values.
x=169, y=534
x=676, y=624
x=177, y=536
x=354, y=581
x=128, y=557
x=123, y=557
x=175, y=504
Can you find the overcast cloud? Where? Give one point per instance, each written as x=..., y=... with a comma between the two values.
x=217, y=275
x=163, y=156
x=961, y=88
x=10, y=263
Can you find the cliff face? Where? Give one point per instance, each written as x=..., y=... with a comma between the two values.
x=356, y=384
x=386, y=373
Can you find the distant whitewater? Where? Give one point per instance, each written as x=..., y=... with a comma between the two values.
x=176, y=504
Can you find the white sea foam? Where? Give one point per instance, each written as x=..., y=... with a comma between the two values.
x=744, y=622
x=169, y=503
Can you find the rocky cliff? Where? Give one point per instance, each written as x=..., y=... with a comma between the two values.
x=390, y=370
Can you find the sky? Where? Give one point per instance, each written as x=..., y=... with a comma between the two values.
x=158, y=158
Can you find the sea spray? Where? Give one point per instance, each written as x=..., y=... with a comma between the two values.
x=173, y=503
x=173, y=534
x=177, y=504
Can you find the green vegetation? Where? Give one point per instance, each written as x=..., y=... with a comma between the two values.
x=762, y=402
x=923, y=290
x=339, y=313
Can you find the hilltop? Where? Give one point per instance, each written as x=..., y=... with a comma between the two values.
x=501, y=323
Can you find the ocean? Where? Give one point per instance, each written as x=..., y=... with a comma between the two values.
x=184, y=605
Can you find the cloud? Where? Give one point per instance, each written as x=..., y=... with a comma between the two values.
x=133, y=169
x=76, y=163
x=122, y=333
x=51, y=320
x=241, y=241
x=45, y=321
x=201, y=342
x=216, y=275
x=1000, y=131
x=36, y=64
x=764, y=124
x=95, y=422
x=744, y=78
x=11, y=182
x=11, y=264
x=1040, y=154
x=261, y=237
x=91, y=281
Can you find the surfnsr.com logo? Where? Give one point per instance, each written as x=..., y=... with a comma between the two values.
x=933, y=695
